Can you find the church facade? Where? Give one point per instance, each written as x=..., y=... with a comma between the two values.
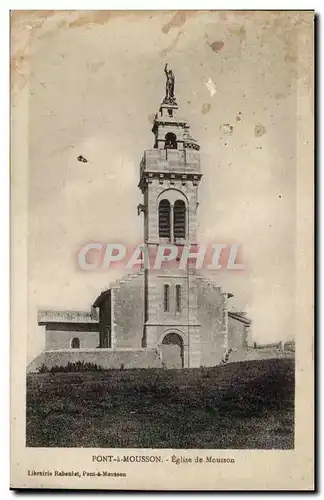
x=168, y=317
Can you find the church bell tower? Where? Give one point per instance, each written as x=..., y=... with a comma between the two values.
x=169, y=180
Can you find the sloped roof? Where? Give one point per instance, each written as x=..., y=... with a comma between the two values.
x=66, y=316
x=99, y=300
x=240, y=316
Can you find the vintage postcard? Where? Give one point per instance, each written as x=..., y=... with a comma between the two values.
x=162, y=250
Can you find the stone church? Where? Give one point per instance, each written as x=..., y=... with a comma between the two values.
x=169, y=317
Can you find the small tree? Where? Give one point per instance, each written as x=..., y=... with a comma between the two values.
x=42, y=369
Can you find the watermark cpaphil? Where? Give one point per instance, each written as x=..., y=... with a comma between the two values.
x=96, y=256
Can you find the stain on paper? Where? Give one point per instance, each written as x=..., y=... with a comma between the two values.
x=205, y=107
x=91, y=17
x=177, y=21
x=216, y=46
x=259, y=130
x=227, y=129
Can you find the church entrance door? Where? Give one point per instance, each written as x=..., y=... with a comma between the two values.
x=172, y=351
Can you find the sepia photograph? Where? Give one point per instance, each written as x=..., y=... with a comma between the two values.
x=160, y=185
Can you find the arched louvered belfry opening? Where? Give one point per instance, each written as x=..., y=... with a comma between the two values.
x=179, y=219
x=170, y=141
x=164, y=219
x=75, y=343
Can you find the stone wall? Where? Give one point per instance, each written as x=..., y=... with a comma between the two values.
x=106, y=358
x=128, y=312
x=158, y=190
x=237, y=335
x=105, y=320
x=61, y=338
x=136, y=358
x=210, y=316
x=255, y=354
x=183, y=322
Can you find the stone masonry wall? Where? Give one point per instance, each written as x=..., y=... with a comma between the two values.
x=251, y=354
x=61, y=339
x=105, y=321
x=236, y=335
x=155, y=193
x=128, y=312
x=105, y=358
x=210, y=315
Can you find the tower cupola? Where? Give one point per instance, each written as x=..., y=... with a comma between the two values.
x=171, y=132
x=170, y=175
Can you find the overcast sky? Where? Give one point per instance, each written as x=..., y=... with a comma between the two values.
x=95, y=82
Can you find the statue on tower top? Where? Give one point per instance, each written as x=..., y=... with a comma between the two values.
x=169, y=86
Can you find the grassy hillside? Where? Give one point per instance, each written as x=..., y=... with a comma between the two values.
x=240, y=406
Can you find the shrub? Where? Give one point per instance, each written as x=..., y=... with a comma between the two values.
x=42, y=369
x=79, y=366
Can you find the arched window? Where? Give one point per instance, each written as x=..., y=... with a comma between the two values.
x=179, y=219
x=164, y=219
x=166, y=298
x=178, y=298
x=75, y=343
x=170, y=141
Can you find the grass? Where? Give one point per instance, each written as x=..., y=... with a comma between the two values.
x=248, y=405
